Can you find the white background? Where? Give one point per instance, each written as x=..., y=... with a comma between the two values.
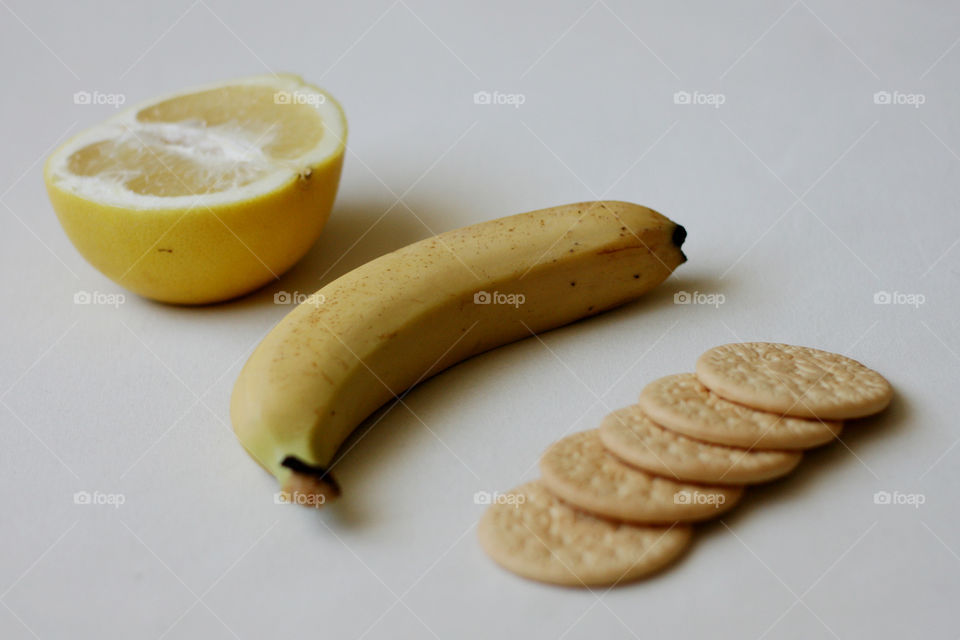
x=802, y=198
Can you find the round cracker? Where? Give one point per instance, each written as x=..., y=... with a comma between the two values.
x=633, y=437
x=791, y=380
x=682, y=404
x=530, y=532
x=581, y=471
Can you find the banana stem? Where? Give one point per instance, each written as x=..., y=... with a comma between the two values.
x=309, y=485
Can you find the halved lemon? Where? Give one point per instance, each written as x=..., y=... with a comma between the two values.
x=206, y=194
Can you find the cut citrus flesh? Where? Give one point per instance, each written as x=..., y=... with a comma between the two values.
x=259, y=156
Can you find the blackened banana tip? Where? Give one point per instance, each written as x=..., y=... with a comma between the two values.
x=679, y=236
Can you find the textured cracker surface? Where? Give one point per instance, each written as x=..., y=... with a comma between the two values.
x=544, y=539
x=794, y=380
x=681, y=403
x=638, y=440
x=581, y=471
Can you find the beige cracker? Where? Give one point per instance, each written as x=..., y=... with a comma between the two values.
x=638, y=440
x=582, y=472
x=797, y=381
x=533, y=534
x=682, y=404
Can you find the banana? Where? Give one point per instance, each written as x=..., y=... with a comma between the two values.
x=392, y=322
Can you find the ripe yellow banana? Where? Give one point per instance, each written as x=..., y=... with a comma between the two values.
x=381, y=328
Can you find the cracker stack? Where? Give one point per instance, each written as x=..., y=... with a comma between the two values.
x=616, y=503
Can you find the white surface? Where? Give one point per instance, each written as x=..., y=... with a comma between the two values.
x=802, y=199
